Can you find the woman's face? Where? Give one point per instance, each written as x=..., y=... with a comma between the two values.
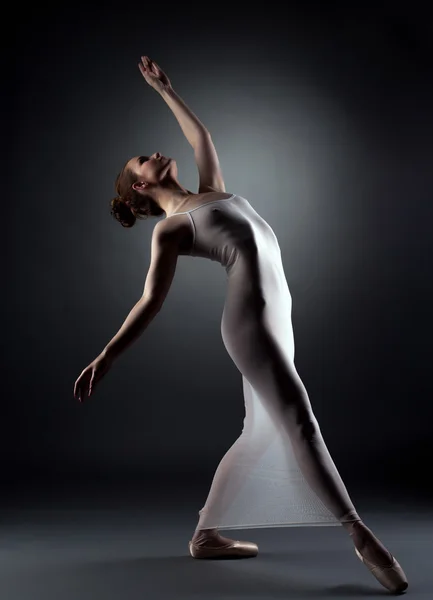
x=153, y=169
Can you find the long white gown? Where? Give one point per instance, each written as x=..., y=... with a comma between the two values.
x=279, y=471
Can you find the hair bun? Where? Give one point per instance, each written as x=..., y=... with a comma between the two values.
x=121, y=212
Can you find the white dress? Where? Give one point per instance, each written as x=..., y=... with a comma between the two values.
x=278, y=472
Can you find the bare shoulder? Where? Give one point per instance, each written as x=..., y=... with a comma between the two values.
x=174, y=231
x=168, y=227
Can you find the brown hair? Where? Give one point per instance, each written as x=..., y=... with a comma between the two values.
x=140, y=206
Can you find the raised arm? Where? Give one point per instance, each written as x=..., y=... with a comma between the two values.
x=206, y=158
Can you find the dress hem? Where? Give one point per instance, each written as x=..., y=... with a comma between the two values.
x=273, y=525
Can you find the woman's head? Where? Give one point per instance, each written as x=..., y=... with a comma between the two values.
x=138, y=186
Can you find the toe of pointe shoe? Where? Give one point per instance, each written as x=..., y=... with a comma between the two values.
x=236, y=549
x=392, y=577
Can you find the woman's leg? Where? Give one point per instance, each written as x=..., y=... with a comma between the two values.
x=260, y=346
x=270, y=371
x=278, y=381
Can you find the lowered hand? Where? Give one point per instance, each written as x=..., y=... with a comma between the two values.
x=91, y=375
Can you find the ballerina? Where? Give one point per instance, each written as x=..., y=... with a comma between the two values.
x=279, y=472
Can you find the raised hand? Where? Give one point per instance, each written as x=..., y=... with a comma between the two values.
x=153, y=74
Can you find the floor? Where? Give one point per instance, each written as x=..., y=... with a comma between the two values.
x=99, y=543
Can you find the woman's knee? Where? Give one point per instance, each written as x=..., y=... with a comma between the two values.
x=301, y=422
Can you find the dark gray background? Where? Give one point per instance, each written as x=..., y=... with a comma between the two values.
x=322, y=119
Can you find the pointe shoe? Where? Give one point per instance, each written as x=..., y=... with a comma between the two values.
x=236, y=548
x=390, y=576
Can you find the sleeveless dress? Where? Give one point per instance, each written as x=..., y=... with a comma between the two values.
x=278, y=472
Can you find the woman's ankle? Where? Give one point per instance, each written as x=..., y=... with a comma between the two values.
x=369, y=545
x=203, y=534
x=350, y=526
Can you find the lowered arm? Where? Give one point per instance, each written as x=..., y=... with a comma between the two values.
x=164, y=254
